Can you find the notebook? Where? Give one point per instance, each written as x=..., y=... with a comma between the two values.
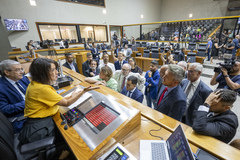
x=176, y=147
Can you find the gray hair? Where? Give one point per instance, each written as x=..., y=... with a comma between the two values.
x=183, y=64
x=177, y=71
x=129, y=66
x=7, y=65
x=198, y=68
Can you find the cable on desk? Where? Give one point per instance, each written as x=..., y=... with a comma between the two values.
x=154, y=129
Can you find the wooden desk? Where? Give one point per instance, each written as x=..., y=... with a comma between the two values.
x=141, y=49
x=148, y=116
x=144, y=63
x=55, y=58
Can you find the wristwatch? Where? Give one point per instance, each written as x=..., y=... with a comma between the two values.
x=226, y=76
x=206, y=105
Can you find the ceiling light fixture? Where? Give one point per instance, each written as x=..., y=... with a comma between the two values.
x=190, y=15
x=142, y=16
x=32, y=2
x=104, y=11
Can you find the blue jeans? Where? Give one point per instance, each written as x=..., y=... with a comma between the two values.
x=150, y=101
x=208, y=54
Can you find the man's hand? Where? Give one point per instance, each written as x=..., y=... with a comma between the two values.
x=92, y=74
x=214, y=98
x=149, y=74
x=224, y=71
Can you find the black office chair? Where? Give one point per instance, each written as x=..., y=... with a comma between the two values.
x=10, y=147
x=191, y=46
x=155, y=53
x=146, y=53
x=191, y=57
x=154, y=47
x=144, y=44
x=138, y=44
x=130, y=46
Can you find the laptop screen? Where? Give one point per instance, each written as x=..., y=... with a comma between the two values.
x=178, y=146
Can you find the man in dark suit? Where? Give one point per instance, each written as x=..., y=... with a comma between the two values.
x=196, y=91
x=86, y=64
x=12, y=93
x=215, y=118
x=93, y=70
x=131, y=90
x=70, y=64
x=171, y=99
x=95, y=52
x=118, y=64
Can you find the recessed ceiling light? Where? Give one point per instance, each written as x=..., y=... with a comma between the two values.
x=104, y=11
x=32, y=2
x=190, y=15
x=49, y=26
x=141, y=16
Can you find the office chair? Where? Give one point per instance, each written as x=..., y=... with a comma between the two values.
x=144, y=44
x=191, y=57
x=10, y=147
x=130, y=46
x=155, y=53
x=138, y=44
x=146, y=53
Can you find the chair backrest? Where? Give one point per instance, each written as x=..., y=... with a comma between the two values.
x=144, y=44
x=155, y=55
x=6, y=139
x=138, y=44
x=154, y=47
x=155, y=51
x=129, y=46
x=146, y=53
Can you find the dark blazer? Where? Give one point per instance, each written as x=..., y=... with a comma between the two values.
x=85, y=66
x=95, y=54
x=117, y=65
x=12, y=103
x=222, y=127
x=116, y=51
x=154, y=84
x=68, y=66
x=198, y=98
x=173, y=104
x=136, y=95
x=90, y=70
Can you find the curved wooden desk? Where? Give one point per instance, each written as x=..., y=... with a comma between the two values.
x=150, y=119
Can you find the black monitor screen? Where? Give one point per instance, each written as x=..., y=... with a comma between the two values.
x=178, y=146
x=16, y=24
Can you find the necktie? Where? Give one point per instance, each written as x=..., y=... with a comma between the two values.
x=123, y=84
x=21, y=88
x=129, y=94
x=161, y=97
x=189, y=89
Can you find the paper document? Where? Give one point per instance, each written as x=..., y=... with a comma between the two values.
x=82, y=99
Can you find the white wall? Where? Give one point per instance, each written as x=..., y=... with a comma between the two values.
x=119, y=12
x=180, y=9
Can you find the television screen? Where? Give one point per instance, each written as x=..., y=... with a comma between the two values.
x=16, y=24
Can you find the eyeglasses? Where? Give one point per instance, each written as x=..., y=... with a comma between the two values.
x=18, y=70
x=124, y=70
x=190, y=71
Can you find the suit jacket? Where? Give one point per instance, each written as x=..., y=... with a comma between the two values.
x=95, y=54
x=116, y=51
x=222, y=127
x=117, y=65
x=119, y=78
x=85, y=66
x=68, y=66
x=198, y=98
x=154, y=84
x=136, y=95
x=90, y=70
x=12, y=103
x=173, y=104
x=129, y=52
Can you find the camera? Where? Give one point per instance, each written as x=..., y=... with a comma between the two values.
x=228, y=64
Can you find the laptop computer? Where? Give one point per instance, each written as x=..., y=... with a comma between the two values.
x=176, y=147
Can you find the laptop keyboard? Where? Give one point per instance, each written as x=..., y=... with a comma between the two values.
x=158, y=151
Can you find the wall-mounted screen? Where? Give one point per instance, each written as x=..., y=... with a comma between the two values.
x=16, y=24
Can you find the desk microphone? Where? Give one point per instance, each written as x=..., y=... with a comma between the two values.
x=64, y=121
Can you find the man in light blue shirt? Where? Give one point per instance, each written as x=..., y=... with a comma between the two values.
x=208, y=48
